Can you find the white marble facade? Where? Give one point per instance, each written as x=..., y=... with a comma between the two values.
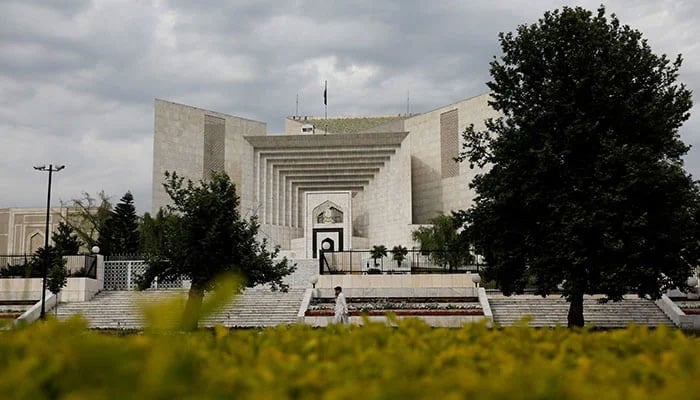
x=368, y=181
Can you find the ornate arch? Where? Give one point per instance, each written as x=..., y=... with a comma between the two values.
x=35, y=240
x=328, y=213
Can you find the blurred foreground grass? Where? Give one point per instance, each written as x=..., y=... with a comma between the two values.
x=67, y=361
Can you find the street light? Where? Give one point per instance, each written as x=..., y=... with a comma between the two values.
x=51, y=169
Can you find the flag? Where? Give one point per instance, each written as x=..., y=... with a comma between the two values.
x=325, y=94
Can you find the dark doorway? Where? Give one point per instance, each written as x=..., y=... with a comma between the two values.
x=334, y=246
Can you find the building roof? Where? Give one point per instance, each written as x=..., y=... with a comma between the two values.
x=348, y=124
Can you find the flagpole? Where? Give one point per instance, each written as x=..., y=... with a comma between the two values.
x=325, y=103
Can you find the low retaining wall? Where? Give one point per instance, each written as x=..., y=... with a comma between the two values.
x=485, y=305
x=76, y=289
x=442, y=321
x=353, y=292
x=681, y=319
x=396, y=281
x=34, y=312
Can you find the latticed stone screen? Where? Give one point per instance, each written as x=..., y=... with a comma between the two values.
x=449, y=145
x=214, y=145
x=124, y=275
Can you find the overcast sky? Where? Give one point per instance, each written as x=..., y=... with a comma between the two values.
x=78, y=78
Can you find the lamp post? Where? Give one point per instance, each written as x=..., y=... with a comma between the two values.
x=51, y=169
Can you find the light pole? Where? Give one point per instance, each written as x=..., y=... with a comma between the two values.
x=51, y=169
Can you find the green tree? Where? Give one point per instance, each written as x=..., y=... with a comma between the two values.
x=586, y=184
x=442, y=241
x=57, y=275
x=50, y=259
x=65, y=240
x=119, y=233
x=203, y=236
x=152, y=231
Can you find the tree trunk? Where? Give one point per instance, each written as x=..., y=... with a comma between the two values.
x=190, y=317
x=575, y=317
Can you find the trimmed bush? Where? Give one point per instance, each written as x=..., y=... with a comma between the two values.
x=64, y=360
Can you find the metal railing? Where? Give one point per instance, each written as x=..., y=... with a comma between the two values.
x=414, y=262
x=123, y=274
x=23, y=266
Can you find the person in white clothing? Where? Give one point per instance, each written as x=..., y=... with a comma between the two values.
x=341, y=307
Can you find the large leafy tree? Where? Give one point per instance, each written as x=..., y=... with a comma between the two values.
x=585, y=184
x=119, y=233
x=202, y=236
x=87, y=216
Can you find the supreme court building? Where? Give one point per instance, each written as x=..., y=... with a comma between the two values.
x=348, y=182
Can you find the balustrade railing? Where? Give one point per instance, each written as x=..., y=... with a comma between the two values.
x=413, y=262
x=26, y=266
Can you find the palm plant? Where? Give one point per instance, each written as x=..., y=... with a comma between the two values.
x=378, y=251
x=399, y=254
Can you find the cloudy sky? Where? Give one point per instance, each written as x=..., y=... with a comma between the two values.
x=78, y=77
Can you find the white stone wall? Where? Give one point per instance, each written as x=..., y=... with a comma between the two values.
x=22, y=229
x=455, y=192
x=178, y=145
x=431, y=193
x=388, y=202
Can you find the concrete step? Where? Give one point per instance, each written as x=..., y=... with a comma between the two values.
x=121, y=309
x=553, y=311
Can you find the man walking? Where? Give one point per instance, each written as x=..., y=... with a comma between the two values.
x=341, y=307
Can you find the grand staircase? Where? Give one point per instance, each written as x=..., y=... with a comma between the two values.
x=552, y=311
x=256, y=307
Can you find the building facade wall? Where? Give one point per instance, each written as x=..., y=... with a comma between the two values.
x=439, y=187
x=22, y=229
x=417, y=182
x=179, y=144
x=388, y=202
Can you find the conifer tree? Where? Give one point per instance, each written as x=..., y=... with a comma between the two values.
x=119, y=234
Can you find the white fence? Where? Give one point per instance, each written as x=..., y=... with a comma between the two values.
x=125, y=274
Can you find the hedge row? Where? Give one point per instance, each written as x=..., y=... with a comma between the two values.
x=67, y=361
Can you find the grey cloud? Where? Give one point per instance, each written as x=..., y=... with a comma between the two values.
x=78, y=78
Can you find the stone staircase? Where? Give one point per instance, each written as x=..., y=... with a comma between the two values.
x=306, y=270
x=256, y=307
x=552, y=311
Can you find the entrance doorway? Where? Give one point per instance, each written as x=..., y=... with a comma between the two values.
x=332, y=236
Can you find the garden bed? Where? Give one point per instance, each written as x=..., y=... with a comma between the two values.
x=401, y=306
x=688, y=306
x=405, y=313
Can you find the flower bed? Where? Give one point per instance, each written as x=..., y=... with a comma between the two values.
x=382, y=312
x=689, y=307
x=399, y=306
